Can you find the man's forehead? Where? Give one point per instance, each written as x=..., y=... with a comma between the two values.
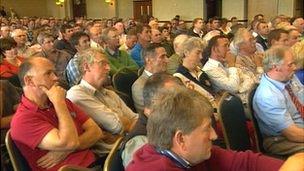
x=41, y=65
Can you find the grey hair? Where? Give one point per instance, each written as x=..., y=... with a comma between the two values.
x=42, y=36
x=105, y=33
x=177, y=43
x=191, y=43
x=183, y=108
x=87, y=56
x=274, y=57
x=239, y=38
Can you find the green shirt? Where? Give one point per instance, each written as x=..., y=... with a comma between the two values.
x=120, y=59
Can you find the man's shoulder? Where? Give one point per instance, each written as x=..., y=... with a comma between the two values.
x=141, y=80
x=76, y=92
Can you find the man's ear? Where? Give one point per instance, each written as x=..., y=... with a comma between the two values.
x=214, y=49
x=186, y=52
x=86, y=67
x=179, y=140
x=28, y=80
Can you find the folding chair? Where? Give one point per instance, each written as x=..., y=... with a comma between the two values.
x=122, y=82
x=233, y=121
x=18, y=161
x=114, y=161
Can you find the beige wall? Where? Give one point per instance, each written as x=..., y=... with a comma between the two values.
x=26, y=7
x=57, y=11
x=187, y=9
x=125, y=8
x=233, y=8
x=286, y=7
x=162, y=9
x=100, y=9
x=266, y=7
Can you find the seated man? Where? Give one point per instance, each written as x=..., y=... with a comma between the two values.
x=81, y=42
x=277, y=108
x=180, y=137
x=131, y=40
x=247, y=57
x=50, y=130
x=101, y=104
x=156, y=60
x=66, y=32
x=118, y=59
x=156, y=84
x=222, y=72
x=60, y=58
x=143, y=39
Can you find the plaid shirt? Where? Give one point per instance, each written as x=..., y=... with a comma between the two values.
x=72, y=71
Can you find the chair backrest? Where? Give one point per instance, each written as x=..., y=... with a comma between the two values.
x=18, y=161
x=140, y=71
x=233, y=121
x=73, y=168
x=257, y=131
x=113, y=161
x=122, y=82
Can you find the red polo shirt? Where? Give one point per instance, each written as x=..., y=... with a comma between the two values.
x=30, y=124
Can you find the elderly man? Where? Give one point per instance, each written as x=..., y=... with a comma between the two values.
x=180, y=138
x=60, y=58
x=156, y=84
x=222, y=72
x=247, y=59
x=20, y=37
x=144, y=37
x=156, y=60
x=101, y=104
x=299, y=24
x=120, y=27
x=131, y=40
x=95, y=36
x=5, y=31
x=50, y=130
x=157, y=38
x=118, y=59
x=277, y=107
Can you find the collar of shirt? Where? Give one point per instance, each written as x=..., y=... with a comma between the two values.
x=93, y=44
x=264, y=38
x=90, y=89
x=215, y=63
x=199, y=33
x=31, y=105
x=148, y=73
x=277, y=84
x=112, y=52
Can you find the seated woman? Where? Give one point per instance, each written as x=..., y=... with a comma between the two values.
x=190, y=71
x=10, y=62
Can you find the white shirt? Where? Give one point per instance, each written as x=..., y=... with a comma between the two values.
x=103, y=106
x=230, y=79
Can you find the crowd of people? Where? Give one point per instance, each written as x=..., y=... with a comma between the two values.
x=58, y=101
